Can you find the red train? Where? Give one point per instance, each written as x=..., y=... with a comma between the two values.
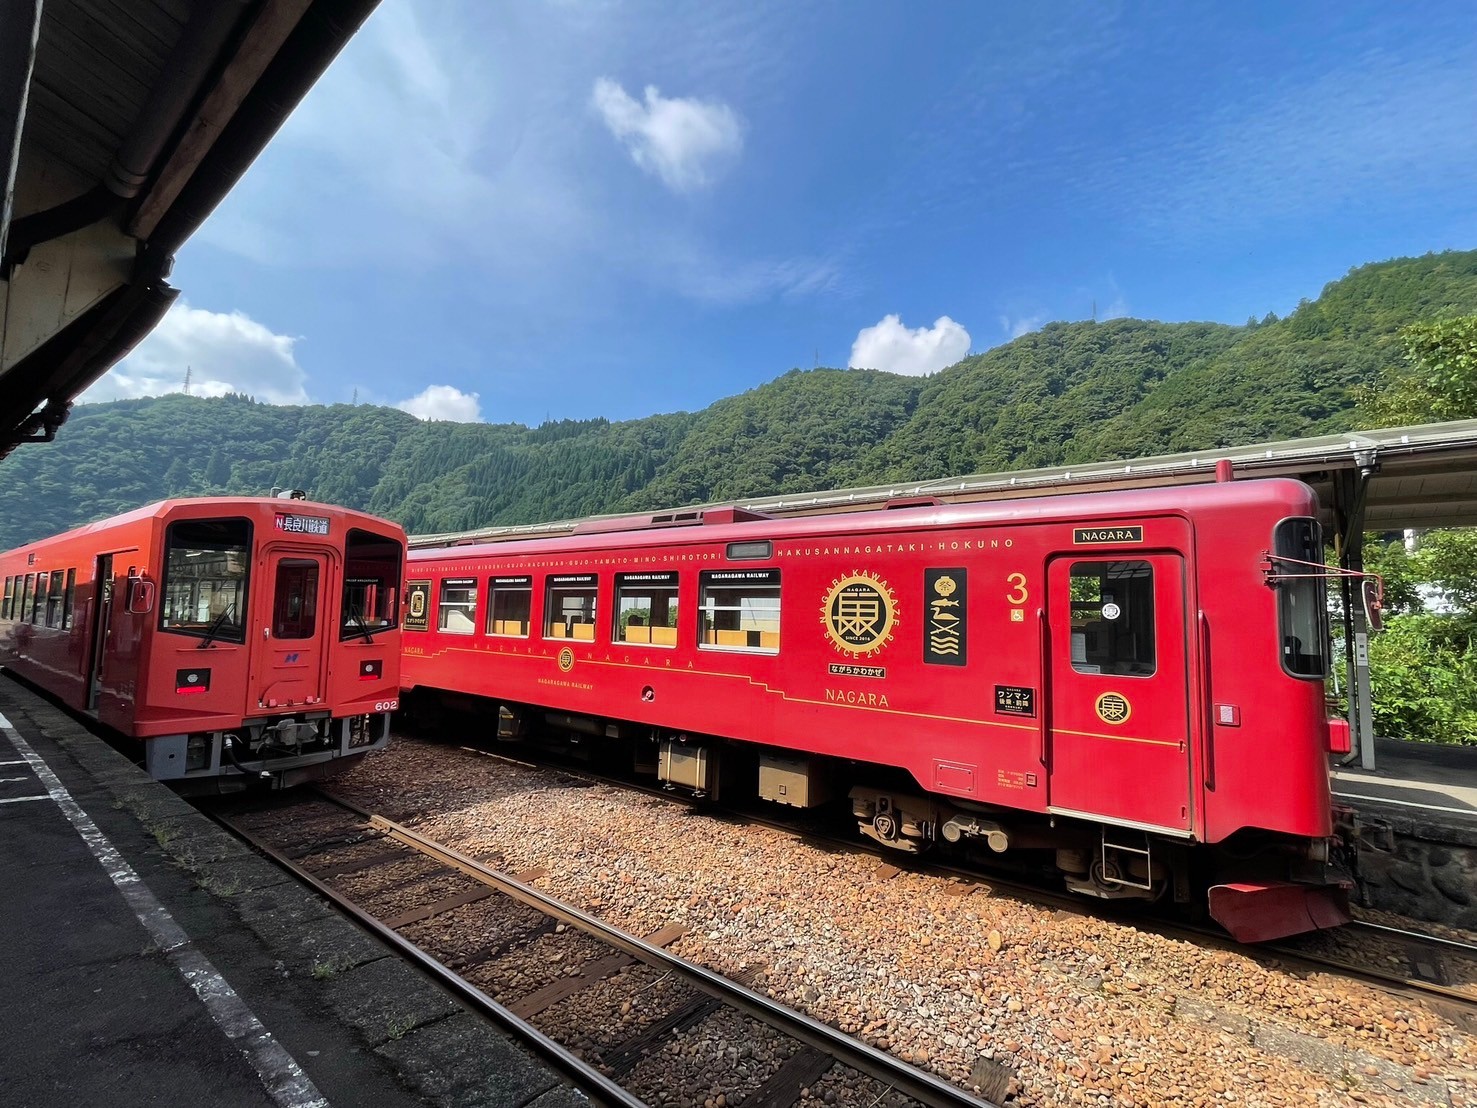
x=241, y=639
x=1126, y=685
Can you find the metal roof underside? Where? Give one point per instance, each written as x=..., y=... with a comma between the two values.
x=123, y=123
x=1417, y=477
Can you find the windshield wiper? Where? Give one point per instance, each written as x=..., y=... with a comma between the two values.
x=215, y=625
x=358, y=617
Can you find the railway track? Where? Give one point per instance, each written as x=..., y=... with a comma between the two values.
x=621, y=1017
x=1412, y=964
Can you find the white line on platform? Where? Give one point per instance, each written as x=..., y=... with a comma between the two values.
x=283, y=1078
x=18, y=799
x=1408, y=803
x=17, y=762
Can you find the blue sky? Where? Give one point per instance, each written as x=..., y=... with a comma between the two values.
x=566, y=209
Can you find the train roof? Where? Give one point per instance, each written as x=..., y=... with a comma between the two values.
x=730, y=524
x=227, y=504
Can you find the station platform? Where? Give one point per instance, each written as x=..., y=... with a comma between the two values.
x=1413, y=775
x=1417, y=825
x=150, y=958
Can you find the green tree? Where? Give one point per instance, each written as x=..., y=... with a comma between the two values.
x=1436, y=382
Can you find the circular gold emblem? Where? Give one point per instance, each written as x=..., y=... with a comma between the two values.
x=1113, y=708
x=417, y=604
x=566, y=659
x=859, y=613
x=945, y=586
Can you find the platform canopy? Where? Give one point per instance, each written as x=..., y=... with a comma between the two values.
x=1386, y=480
x=123, y=123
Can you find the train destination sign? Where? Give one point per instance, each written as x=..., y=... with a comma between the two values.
x=302, y=525
x=1103, y=536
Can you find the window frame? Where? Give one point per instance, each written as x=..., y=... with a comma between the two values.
x=1132, y=624
x=572, y=584
x=445, y=607
x=1299, y=582
x=499, y=585
x=69, y=614
x=9, y=596
x=38, y=598
x=55, y=598
x=359, y=566
x=731, y=580
x=234, y=632
x=651, y=581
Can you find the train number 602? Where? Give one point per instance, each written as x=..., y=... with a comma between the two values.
x=386, y=705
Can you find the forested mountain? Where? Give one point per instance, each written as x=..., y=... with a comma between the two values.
x=1071, y=392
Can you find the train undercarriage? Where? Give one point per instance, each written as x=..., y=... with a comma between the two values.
x=1257, y=885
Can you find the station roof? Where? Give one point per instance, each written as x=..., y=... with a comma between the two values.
x=123, y=123
x=1423, y=476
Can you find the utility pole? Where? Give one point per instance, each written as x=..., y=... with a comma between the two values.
x=188, y=373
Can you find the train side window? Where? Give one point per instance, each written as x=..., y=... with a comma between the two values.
x=1113, y=618
x=456, y=611
x=509, y=606
x=206, y=575
x=740, y=610
x=646, y=608
x=1302, y=599
x=23, y=595
x=55, y=595
x=38, y=598
x=569, y=607
x=71, y=595
x=9, y=596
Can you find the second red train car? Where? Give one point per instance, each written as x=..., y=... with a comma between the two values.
x=1126, y=685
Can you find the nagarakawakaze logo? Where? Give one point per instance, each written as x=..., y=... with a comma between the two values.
x=859, y=614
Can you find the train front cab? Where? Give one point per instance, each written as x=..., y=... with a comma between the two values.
x=1202, y=657
x=266, y=655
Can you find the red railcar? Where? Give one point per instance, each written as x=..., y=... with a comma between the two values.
x=1131, y=683
x=241, y=639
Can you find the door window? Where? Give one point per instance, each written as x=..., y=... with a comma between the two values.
x=295, y=609
x=1113, y=618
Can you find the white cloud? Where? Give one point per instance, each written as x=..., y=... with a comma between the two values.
x=1022, y=325
x=444, y=402
x=686, y=142
x=221, y=351
x=890, y=346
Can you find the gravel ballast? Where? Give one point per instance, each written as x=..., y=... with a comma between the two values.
x=1080, y=1009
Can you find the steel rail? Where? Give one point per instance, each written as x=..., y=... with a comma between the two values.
x=1469, y=949
x=589, y=1080
x=909, y=1080
x=1390, y=982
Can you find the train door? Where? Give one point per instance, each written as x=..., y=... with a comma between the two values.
x=102, y=614
x=1118, y=703
x=289, y=660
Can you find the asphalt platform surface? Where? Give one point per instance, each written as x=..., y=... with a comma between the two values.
x=149, y=958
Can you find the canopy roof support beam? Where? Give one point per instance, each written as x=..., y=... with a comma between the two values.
x=1350, y=498
x=22, y=22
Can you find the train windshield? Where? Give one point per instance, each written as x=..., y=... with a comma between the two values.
x=371, y=584
x=207, y=565
x=1302, y=600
